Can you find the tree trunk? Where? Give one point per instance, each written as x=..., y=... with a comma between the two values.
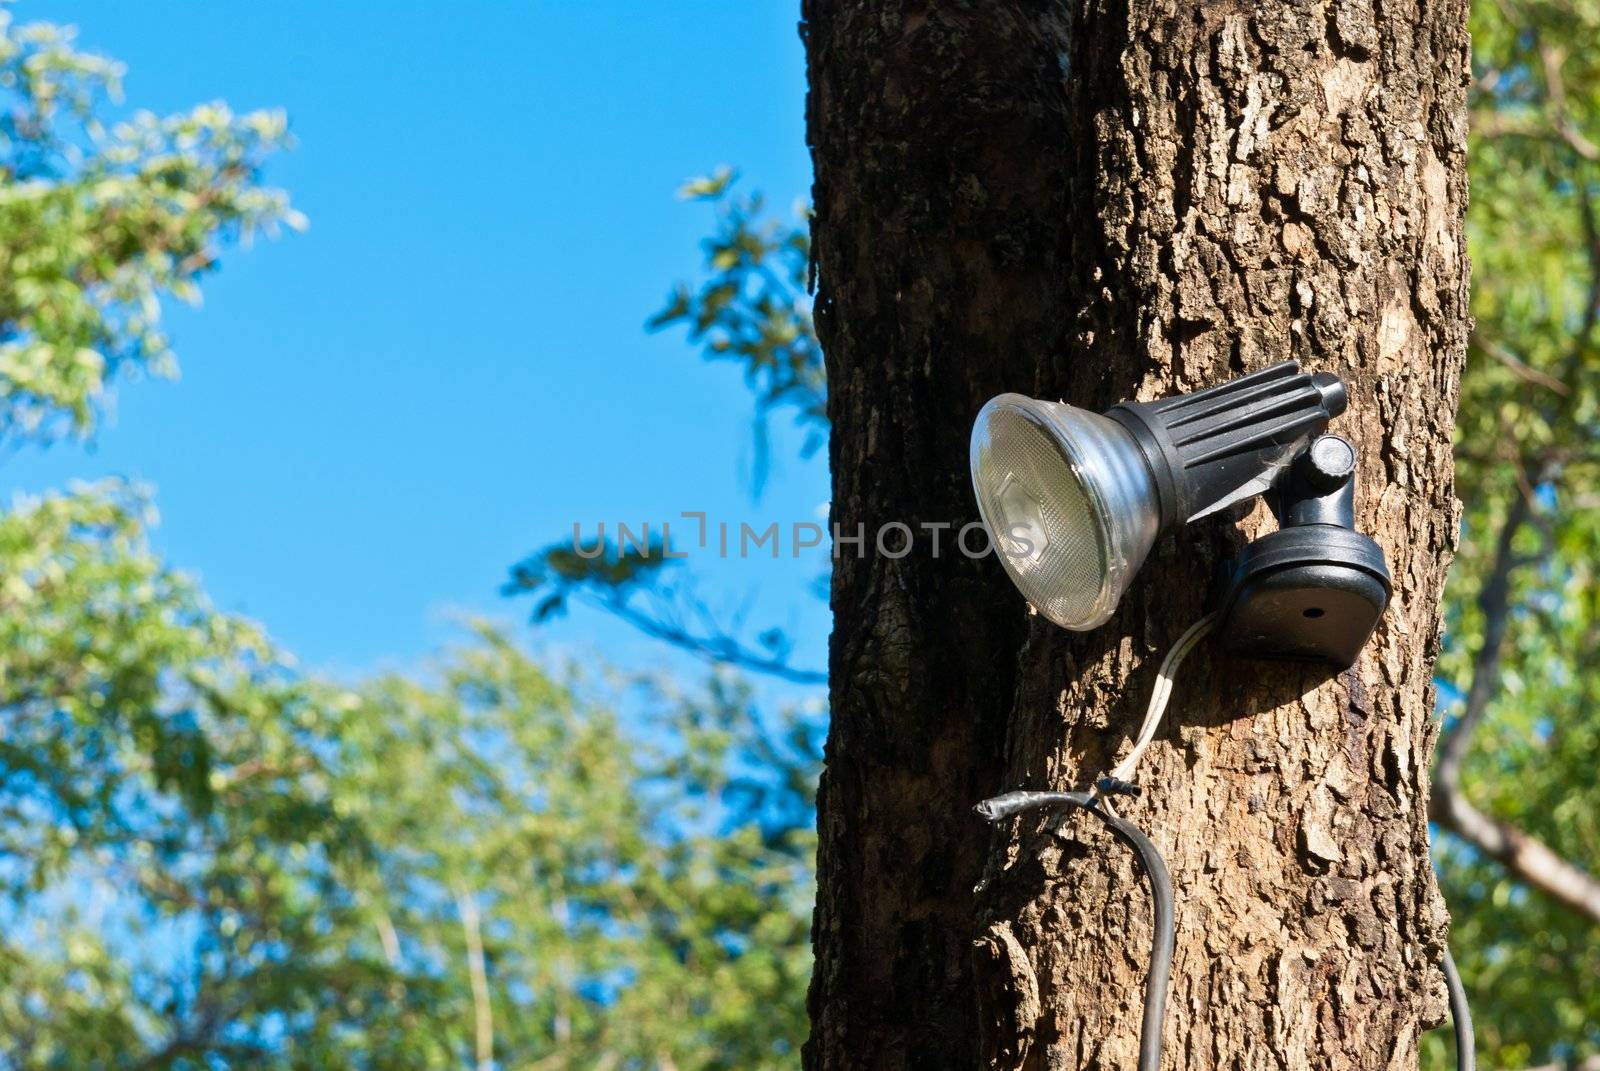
x=1093, y=201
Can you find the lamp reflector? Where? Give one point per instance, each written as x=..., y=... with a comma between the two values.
x=1069, y=501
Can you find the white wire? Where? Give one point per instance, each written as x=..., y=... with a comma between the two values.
x=1162, y=694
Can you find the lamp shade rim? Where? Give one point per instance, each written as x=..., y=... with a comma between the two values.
x=1071, y=532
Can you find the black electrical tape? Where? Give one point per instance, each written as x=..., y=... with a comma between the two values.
x=1155, y=868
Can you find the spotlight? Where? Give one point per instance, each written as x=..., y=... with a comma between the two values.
x=1074, y=500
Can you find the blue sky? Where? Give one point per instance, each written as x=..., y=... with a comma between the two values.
x=375, y=418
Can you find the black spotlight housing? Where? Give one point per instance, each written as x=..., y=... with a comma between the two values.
x=1214, y=447
x=1074, y=500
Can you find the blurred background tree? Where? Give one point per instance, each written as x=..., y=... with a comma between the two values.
x=1514, y=787
x=210, y=859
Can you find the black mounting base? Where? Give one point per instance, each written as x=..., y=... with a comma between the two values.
x=1312, y=592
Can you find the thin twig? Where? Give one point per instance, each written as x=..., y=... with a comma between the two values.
x=390, y=939
x=1521, y=369
x=714, y=645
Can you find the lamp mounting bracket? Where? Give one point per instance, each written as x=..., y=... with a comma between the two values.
x=1313, y=590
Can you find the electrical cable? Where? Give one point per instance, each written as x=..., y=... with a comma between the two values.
x=1158, y=976
x=1161, y=695
x=1095, y=801
x=1460, y=1016
x=1155, y=869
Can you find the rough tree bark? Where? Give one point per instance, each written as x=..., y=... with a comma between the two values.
x=1092, y=200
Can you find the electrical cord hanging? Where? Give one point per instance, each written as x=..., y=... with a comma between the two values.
x=1120, y=780
x=1460, y=1016
x=1155, y=869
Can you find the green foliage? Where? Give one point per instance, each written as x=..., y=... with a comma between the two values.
x=634, y=907
x=754, y=308
x=161, y=779
x=607, y=569
x=211, y=860
x=97, y=224
x=1527, y=432
x=635, y=582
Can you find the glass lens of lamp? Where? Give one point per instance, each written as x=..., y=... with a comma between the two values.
x=1070, y=505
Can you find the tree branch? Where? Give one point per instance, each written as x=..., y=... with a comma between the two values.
x=1520, y=368
x=1524, y=856
x=1495, y=603
x=1552, y=58
x=483, y=1013
x=390, y=939
x=714, y=644
x=626, y=584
